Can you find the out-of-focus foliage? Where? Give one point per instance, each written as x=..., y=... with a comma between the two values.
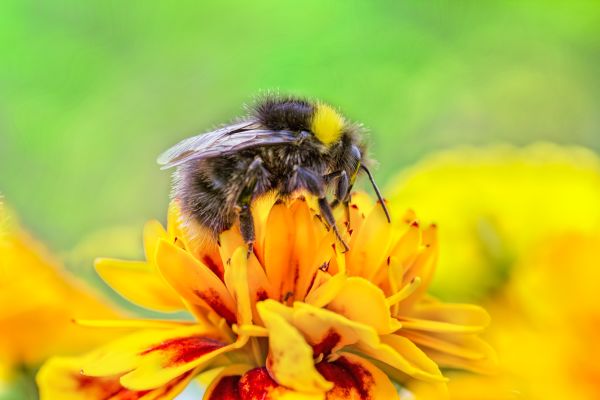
x=91, y=92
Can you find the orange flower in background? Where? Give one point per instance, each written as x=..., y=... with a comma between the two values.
x=296, y=318
x=38, y=301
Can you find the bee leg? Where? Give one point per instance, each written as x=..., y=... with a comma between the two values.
x=342, y=188
x=254, y=173
x=316, y=186
x=328, y=215
x=247, y=226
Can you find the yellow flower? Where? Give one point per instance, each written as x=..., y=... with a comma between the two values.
x=296, y=319
x=525, y=222
x=546, y=325
x=38, y=302
x=494, y=203
x=550, y=319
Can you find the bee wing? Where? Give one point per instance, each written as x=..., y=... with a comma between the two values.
x=226, y=140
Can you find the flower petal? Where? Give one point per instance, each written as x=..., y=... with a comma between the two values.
x=174, y=358
x=261, y=208
x=127, y=353
x=279, y=239
x=328, y=331
x=194, y=281
x=132, y=323
x=175, y=224
x=402, y=255
x=355, y=378
x=60, y=378
x=440, y=317
x=259, y=286
x=485, y=365
x=324, y=293
x=467, y=346
x=362, y=301
x=304, y=265
x=360, y=206
x=370, y=245
x=423, y=266
x=290, y=359
x=230, y=240
x=153, y=232
x=404, y=356
x=257, y=384
x=236, y=279
x=413, y=354
x=225, y=383
x=140, y=283
x=225, y=388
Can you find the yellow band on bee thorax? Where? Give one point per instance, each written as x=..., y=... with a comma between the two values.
x=327, y=124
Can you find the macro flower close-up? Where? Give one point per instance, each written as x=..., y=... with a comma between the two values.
x=297, y=316
x=269, y=200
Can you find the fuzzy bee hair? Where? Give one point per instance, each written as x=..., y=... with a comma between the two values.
x=285, y=146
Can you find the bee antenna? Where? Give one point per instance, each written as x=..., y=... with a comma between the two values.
x=385, y=210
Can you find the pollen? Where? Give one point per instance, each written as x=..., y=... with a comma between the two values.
x=327, y=124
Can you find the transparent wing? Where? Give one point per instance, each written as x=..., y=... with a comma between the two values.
x=226, y=140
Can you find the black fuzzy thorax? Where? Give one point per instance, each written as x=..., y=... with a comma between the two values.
x=284, y=113
x=209, y=189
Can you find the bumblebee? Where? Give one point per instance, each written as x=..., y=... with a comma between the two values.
x=286, y=145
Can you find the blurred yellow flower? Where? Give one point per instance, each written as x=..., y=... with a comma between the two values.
x=549, y=319
x=296, y=319
x=38, y=301
x=494, y=203
x=546, y=326
x=528, y=221
x=38, y=297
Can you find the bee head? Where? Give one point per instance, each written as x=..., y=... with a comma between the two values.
x=326, y=124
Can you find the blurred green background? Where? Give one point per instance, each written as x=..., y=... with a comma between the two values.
x=91, y=92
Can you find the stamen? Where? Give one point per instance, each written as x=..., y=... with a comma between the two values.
x=406, y=291
x=251, y=330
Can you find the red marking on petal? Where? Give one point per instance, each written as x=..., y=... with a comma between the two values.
x=211, y=297
x=327, y=344
x=216, y=268
x=256, y=384
x=185, y=349
x=310, y=285
x=346, y=376
x=227, y=389
x=261, y=294
x=105, y=388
